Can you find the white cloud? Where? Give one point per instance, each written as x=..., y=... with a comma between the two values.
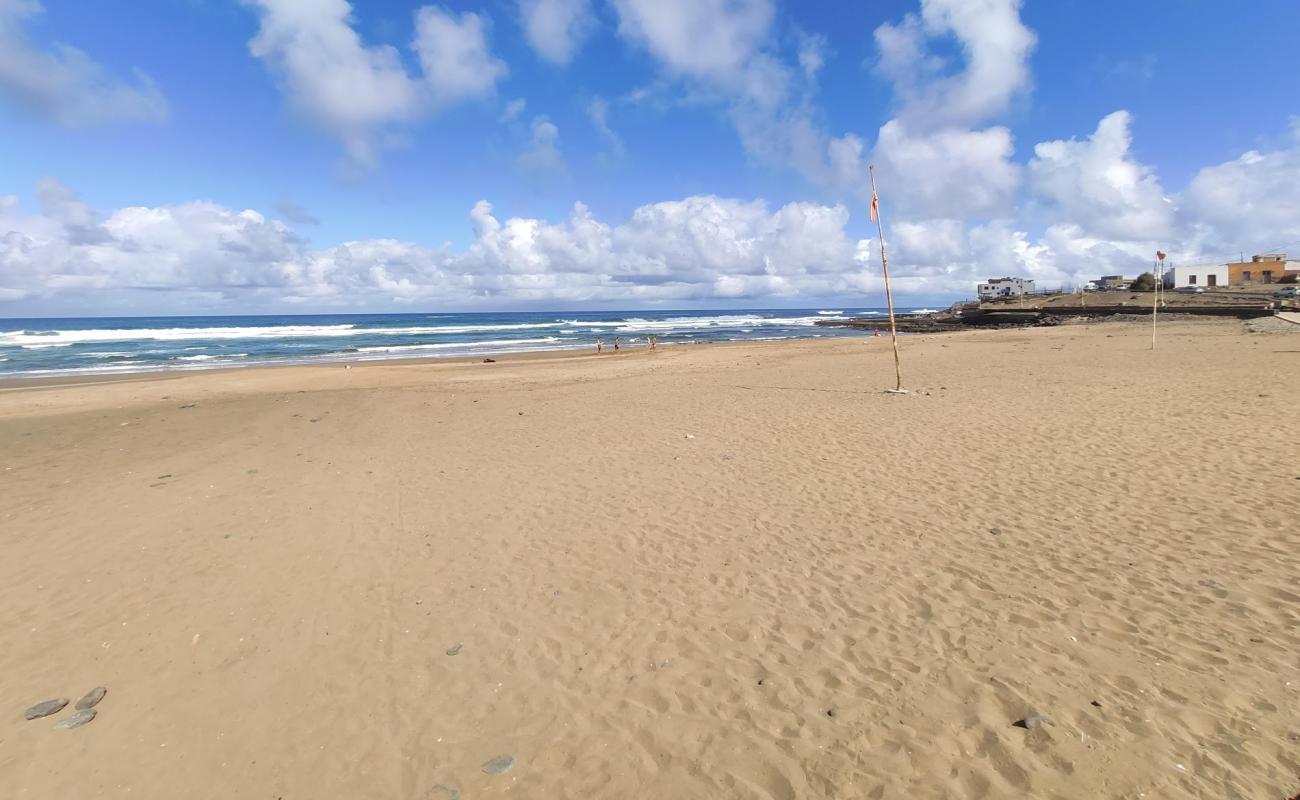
x=995, y=47
x=556, y=28
x=813, y=50
x=543, y=154
x=65, y=85
x=695, y=249
x=948, y=172
x=357, y=92
x=598, y=113
x=933, y=155
x=721, y=50
x=513, y=109
x=713, y=39
x=1251, y=203
x=454, y=53
x=1096, y=184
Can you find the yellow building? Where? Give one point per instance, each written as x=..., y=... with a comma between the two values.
x=1263, y=268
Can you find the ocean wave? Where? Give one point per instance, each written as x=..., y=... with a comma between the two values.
x=207, y=357
x=402, y=348
x=830, y=313
x=63, y=338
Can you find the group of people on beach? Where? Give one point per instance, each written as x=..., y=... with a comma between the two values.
x=652, y=342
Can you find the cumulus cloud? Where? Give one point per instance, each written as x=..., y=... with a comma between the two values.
x=934, y=155
x=1249, y=203
x=556, y=28
x=358, y=92
x=696, y=249
x=995, y=47
x=1097, y=185
x=65, y=85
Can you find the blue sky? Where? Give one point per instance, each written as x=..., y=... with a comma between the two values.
x=718, y=149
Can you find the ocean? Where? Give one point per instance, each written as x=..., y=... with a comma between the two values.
x=100, y=345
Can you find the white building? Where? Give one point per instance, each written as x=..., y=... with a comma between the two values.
x=1205, y=276
x=1004, y=287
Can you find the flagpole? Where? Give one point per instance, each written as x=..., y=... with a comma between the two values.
x=889, y=294
x=1158, y=269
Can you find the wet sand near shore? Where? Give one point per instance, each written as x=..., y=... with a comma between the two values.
x=734, y=571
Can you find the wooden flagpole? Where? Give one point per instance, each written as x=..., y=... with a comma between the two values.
x=889, y=294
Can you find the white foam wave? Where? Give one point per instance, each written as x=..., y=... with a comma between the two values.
x=830, y=313
x=211, y=357
x=63, y=338
x=491, y=343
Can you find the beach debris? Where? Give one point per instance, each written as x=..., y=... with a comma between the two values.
x=190, y=405
x=1096, y=704
x=830, y=712
x=76, y=720
x=46, y=708
x=443, y=790
x=91, y=699
x=690, y=436
x=499, y=765
x=995, y=531
x=489, y=361
x=1032, y=721
x=454, y=649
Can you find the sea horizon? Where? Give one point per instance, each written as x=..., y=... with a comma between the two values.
x=57, y=346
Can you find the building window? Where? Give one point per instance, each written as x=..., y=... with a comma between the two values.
x=1191, y=280
x=1267, y=275
x=1245, y=275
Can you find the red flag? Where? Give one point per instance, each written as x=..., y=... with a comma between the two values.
x=1160, y=256
x=875, y=207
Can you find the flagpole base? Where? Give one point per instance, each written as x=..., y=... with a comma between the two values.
x=896, y=391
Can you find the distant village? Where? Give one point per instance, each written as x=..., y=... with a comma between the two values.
x=1258, y=273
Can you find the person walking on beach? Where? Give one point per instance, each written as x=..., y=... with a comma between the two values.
x=617, y=346
x=599, y=345
x=654, y=340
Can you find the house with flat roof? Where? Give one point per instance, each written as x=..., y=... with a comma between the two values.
x=1113, y=283
x=1263, y=268
x=994, y=288
x=1206, y=276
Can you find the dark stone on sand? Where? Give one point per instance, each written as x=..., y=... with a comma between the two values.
x=454, y=649
x=995, y=531
x=499, y=765
x=46, y=708
x=1032, y=721
x=91, y=699
x=830, y=712
x=489, y=361
x=1096, y=704
x=442, y=790
x=76, y=720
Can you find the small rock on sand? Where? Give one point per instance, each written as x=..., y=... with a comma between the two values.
x=1032, y=721
x=499, y=765
x=46, y=708
x=442, y=790
x=76, y=720
x=91, y=699
x=454, y=649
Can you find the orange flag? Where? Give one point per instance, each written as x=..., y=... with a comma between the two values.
x=875, y=207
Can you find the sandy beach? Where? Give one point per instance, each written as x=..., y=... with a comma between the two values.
x=725, y=571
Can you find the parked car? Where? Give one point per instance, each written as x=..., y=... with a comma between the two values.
x=1191, y=289
x=1288, y=291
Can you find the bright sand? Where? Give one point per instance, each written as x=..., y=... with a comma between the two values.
x=665, y=570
